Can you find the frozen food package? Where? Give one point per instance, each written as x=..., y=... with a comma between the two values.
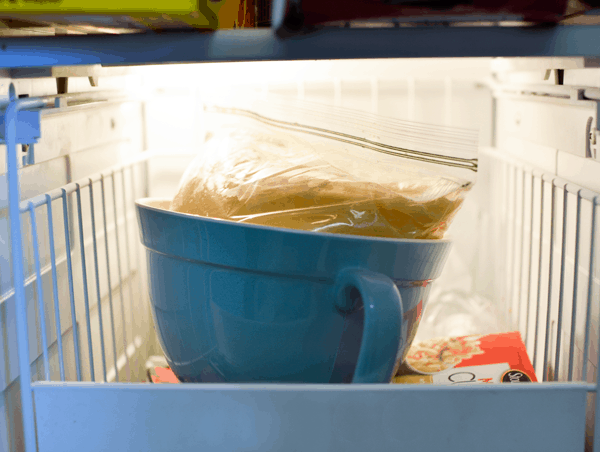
x=317, y=12
x=128, y=16
x=291, y=164
x=473, y=359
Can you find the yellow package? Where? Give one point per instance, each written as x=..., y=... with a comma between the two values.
x=132, y=15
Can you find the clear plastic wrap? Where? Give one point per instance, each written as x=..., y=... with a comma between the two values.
x=455, y=313
x=319, y=168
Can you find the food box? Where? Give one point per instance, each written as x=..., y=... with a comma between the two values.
x=158, y=371
x=132, y=15
x=163, y=375
x=332, y=11
x=492, y=358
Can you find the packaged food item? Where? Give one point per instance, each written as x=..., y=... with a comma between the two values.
x=158, y=370
x=126, y=16
x=317, y=168
x=492, y=358
x=163, y=375
x=317, y=12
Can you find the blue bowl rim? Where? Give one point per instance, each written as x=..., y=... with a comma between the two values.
x=143, y=203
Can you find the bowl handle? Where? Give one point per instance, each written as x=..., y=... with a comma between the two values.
x=382, y=332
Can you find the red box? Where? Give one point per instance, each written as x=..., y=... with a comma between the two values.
x=492, y=358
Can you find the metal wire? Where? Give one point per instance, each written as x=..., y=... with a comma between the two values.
x=515, y=305
x=136, y=249
x=127, y=248
x=590, y=292
x=520, y=251
x=97, y=269
x=71, y=290
x=110, y=299
x=40, y=292
x=119, y=272
x=61, y=362
x=539, y=283
x=530, y=263
x=85, y=286
x=593, y=250
x=575, y=287
x=546, y=364
x=561, y=293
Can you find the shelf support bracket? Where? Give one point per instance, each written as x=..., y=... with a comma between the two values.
x=20, y=124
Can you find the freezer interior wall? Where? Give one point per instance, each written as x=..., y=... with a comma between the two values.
x=496, y=248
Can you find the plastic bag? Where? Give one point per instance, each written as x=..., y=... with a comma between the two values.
x=455, y=313
x=319, y=168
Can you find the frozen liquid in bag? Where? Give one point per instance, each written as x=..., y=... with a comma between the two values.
x=275, y=180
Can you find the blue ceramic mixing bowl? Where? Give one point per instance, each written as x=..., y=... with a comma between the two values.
x=236, y=302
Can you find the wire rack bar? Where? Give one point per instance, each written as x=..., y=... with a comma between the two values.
x=515, y=300
x=71, y=289
x=540, y=272
x=519, y=249
x=110, y=298
x=40, y=293
x=61, y=361
x=590, y=292
x=561, y=293
x=120, y=274
x=97, y=279
x=136, y=255
x=86, y=298
x=575, y=287
x=530, y=261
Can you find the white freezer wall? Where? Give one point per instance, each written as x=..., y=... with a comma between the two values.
x=169, y=117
